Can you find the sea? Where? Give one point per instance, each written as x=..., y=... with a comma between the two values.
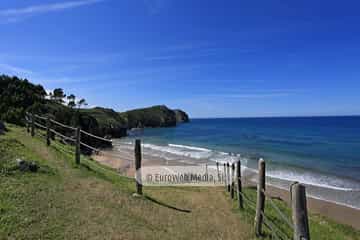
x=321, y=152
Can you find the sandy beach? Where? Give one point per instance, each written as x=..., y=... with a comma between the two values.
x=123, y=162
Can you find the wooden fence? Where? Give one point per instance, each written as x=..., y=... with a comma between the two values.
x=233, y=182
x=232, y=176
x=299, y=222
x=47, y=125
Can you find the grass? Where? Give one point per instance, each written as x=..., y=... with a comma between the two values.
x=91, y=201
x=320, y=227
x=105, y=117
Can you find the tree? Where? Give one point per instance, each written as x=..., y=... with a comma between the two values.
x=16, y=96
x=58, y=95
x=81, y=102
x=71, y=102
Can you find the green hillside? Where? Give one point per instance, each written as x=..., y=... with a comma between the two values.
x=18, y=96
x=156, y=116
x=90, y=201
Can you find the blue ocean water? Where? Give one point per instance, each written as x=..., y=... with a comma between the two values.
x=319, y=151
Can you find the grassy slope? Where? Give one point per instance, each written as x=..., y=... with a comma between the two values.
x=92, y=201
x=105, y=117
x=320, y=227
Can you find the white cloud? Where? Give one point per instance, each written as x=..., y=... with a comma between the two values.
x=13, y=15
x=13, y=69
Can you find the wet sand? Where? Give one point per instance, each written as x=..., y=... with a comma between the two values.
x=124, y=163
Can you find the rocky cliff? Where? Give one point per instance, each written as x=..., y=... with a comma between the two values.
x=181, y=116
x=109, y=122
x=105, y=120
x=156, y=116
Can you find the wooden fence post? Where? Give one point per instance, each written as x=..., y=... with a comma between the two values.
x=32, y=125
x=260, y=202
x=27, y=122
x=239, y=185
x=218, y=171
x=77, y=147
x=48, y=125
x=232, y=180
x=138, y=166
x=225, y=176
x=299, y=212
x=228, y=176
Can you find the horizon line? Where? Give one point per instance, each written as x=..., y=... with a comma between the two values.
x=298, y=116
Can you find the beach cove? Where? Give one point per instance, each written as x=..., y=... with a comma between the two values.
x=331, y=192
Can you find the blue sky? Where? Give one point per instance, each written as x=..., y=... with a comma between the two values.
x=210, y=58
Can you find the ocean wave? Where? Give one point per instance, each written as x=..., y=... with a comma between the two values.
x=282, y=173
x=315, y=179
x=179, y=151
x=189, y=147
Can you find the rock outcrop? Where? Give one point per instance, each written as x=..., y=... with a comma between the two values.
x=181, y=116
x=156, y=116
x=107, y=122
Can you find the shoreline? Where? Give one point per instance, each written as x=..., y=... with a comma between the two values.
x=335, y=211
x=123, y=162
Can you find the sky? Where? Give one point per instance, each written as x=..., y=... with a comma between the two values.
x=210, y=58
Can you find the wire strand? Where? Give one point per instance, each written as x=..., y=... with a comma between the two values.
x=39, y=125
x=62, y=136
x=90, y=147
x=281, y=214
x=62, y=125
x=275, y=229
x=94, y=136
x=39, y=117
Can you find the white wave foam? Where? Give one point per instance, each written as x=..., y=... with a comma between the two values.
x=318, y=197
x=314, y=179
x=189, y=147
x=177, y=151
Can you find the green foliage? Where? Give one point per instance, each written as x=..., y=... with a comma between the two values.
x=81, y=103
x=16, y=96
x=156, y=116
x=181, y=116
x=108, y=121
x=71, y=98
x=58, y=95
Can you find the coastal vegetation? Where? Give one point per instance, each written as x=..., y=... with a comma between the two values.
x=91, y=201
x=18, y=96
x=156, y=116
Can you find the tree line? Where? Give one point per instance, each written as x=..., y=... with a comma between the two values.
x=58, y=96
x=19, y=95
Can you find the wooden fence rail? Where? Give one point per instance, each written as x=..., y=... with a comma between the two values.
x=47, y=124
x=299, y=224
x=232, y=179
